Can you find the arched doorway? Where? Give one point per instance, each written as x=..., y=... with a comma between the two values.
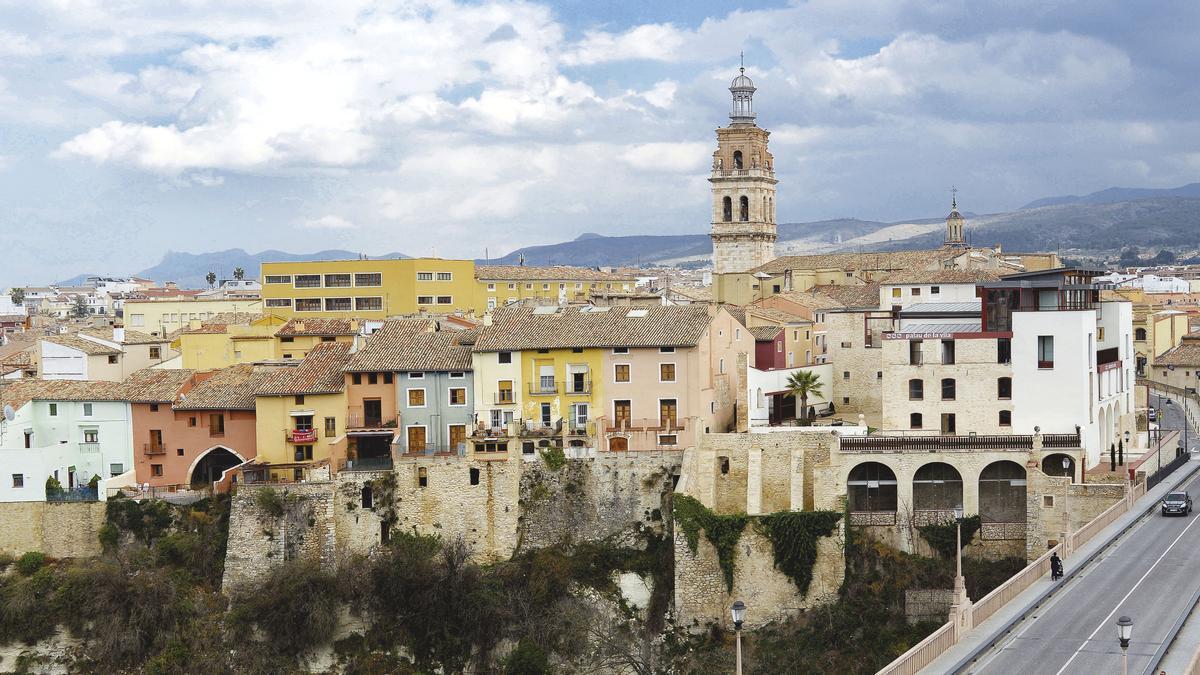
x=871, y=487
x=937, y=491
x=1002, y=493
x=1059, y=464
x=209, y=466
x=618, y=444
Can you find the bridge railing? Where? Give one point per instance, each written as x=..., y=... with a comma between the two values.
x=1015, y=585
x=923, y=653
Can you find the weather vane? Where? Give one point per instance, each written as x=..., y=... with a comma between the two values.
x=953, y=197
x=742, y=62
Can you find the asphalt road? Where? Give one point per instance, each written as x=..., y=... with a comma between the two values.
x=1149, y=575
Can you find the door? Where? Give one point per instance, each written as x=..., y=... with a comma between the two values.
x=372, y=412
x=618, y=444
x=458, y=436
x=416, y=439
x=621, y=413
x=948, y=426
x=667, y=413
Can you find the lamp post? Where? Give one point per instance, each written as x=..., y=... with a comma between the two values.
x=739, y=613
x=960, y=584
x=1124, y=632
x=1066, y=538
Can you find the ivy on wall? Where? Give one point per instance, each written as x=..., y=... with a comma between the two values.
x=941, y=537
x=793, y=536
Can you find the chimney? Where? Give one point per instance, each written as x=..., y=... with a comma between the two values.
x=118, y=334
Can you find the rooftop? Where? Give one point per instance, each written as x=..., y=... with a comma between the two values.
x=79, y=344
x=19, y=392
x=765, y=333
x=155, y=385
x=966, y=307
x=322, y=327
x=548, y=273
x=940, y=328
x=918, y=276
x=517, y=328
x=396, y=347
x=320, y=372
x=231, y=388
x=132, y=337
x=889, y=261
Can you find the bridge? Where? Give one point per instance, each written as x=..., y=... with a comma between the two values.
x=1129, y=561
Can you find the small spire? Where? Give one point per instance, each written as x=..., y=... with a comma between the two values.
x=742, y=62
x=953, y=198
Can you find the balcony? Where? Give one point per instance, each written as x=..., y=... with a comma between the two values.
x=545, y=388
x=357, y=420
x=540, y=430
x=664, y=425
x=580, y=387
x=503, y=397
x=151, y=449
x=300, y=435
x=88, y=448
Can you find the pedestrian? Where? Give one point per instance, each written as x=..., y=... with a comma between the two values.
x=1056, y=569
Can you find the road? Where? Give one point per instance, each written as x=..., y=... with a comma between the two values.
x=1148, y=574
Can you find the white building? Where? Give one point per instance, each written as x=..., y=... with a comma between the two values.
x=1150, y=283
x=767, y=394
x=69, y=431
x=101, y=354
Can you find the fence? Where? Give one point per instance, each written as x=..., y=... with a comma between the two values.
x=79, y=494
x=912, y=661
x=924, y=443
x=1013, y=587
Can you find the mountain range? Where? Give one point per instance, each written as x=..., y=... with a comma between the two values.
x=1097, y=225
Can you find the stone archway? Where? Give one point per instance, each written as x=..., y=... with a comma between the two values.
x=871, y=488
x=209, y=466
x=1052, y=465
x=937, y=491
x=1002, y=492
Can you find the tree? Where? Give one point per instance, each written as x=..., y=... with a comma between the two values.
x=802, y=384
x=1164, y=257
x=239, y=273
x=17, y=295
x=211, y=278
x=79, y=308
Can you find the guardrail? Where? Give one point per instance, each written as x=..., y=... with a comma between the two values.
x=1013, y=587
x=923, y=443
x=923, y=653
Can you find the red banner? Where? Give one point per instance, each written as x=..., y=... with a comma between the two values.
x=304, y=435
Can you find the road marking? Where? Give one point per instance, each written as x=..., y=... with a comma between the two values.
x=1122, y=600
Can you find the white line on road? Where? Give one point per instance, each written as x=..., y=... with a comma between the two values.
x=1122, y=600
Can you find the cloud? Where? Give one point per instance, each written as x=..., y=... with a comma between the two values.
x=654, y=42
x=329, y=222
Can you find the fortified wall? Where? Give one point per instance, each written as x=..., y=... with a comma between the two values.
x=58, y=529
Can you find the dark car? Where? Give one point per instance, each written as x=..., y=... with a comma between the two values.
x=1152, y=415
x=1177, y=503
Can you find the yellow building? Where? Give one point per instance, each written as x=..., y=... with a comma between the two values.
x=226, y=339
x=166, y=316
x=298, y=337
x=500, y=285
x=301, y=413
x=373, y=289
x=1157, y=327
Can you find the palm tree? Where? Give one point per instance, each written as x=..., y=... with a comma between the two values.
x=211, y=278
x=239, y=273
x=802, y=384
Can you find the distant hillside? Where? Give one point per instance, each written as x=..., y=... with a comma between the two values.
x=1116, y=194
x=189, y=269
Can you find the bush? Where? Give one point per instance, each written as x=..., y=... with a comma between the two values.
x=53, y=487
x=526, y=659
x=555, y=458
x=269, y=501
x=30, y=563
x=296, y=607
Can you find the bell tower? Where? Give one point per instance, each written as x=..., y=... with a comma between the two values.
x=955, y=224
x=743, y=188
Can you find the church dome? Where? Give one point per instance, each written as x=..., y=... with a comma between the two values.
x=742, y=82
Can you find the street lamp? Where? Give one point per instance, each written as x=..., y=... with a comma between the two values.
x=959, y=583
x=739, y=613
x=1124, y=632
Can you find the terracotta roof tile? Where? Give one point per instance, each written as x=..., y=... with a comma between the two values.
x=132, y=337
x=765, y=332
x=517, y=328
x=219, y=323
x=231, y=388
x=773, y=314
x=919, y=276
x=320, y=372
x=1186, y=354
x=551, y=273
x=19, y=392
x=875, y=262
x=396, y=347
x=155, y=385
x=86, y=346
x=318, y=326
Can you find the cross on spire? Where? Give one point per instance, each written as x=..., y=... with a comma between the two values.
x=953, y=197
x=742, y=62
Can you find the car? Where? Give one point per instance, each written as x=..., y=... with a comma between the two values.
x=1177, y=503
x=1152, y=415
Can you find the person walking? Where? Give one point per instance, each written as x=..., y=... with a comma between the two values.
x=1056, y=568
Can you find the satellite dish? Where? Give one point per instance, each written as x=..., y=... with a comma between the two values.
x=9, y=413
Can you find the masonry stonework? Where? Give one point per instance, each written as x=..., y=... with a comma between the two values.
x=856, y=367
x=260, y=540
x=58, y=529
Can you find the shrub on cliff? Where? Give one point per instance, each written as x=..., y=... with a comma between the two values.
x=295, y=607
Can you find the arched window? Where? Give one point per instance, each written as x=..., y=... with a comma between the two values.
x=948, y=389
x=1139, y=334
x=744, y=213
x=914, y=420
x=727, y=209
x=916, y=390
x=871, y=486
x=368, y=499
x=1006, y=418
x=1004, y=388
x=763, y=216
x=737, y=159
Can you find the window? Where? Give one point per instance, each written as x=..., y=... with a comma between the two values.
x=191, y=421
x=721, y=366
x=1006, y=418
x=303, y=453
x=278, y=302
x=947, y=351
x=356, y=378
x=546, y=419
x=416, y=398
x=137, y=320
x=54, y=410
x=416, y=376
x=529, y=287
x=216, y=424
x=368, y=279
x=1139, y=334
x=914, y=352
x=156, y=470
x=1004, y=388
x=896, y=291
x=916, y=390
x=424, y=276
x=845, y=374
x=387, y=378
x=372, y=378
x=18, y=480
x=458, y=396
x=620, y=372
x=156, y=352
x=337, y=304
x=744, y=208
x=504, y=389
x=370, y=304
x=666, y=372
x=1045, y=351
x=153, y=407
x=1004, y=350
x=668, y=439
x=330, y=427
x=278, y=279
x=474, y=476
x=491, y=288
x=948, y=389
x=914, y=421
x=620, y=350
x=545, y=287
x=503, y=357
x=916, y=292
x=445, y=300
x=91, y=435
x=299, y=399
x=367, y=497
x=337, y=281
x=948, y=424
x=445, y=276
x=112, y=358
x=724, y=461
x=424, y=299
x=179, y=452
x=87, y=409
x=934, y=290
x=308, y=304
x=308, y=281
x=622, y=413
x=116, y=469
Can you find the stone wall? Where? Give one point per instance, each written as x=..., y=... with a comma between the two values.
x=702, y=598
x=259, y=540
x=856, y=386
x=58, y=529
x=927, y=604
x=757, y=473
x=1047, y=497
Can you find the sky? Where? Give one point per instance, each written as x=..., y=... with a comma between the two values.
x=458, y=128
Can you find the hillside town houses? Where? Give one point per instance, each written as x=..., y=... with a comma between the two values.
x=316, y=369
